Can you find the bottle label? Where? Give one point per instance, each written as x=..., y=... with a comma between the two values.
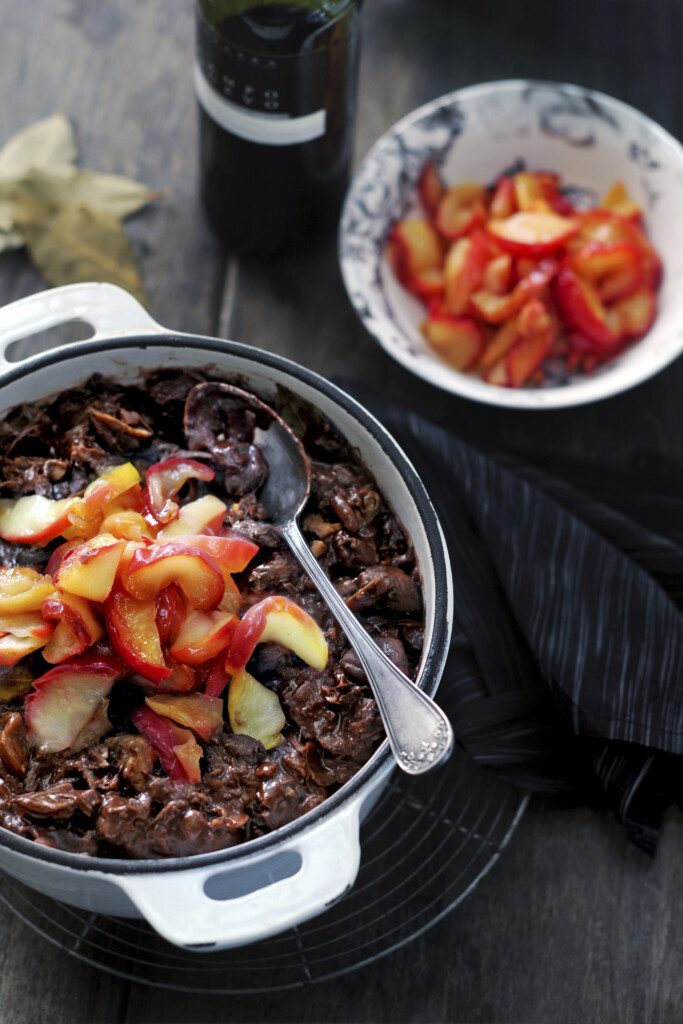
x=276, y=101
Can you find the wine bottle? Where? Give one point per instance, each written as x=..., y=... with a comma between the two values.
x=276, y=85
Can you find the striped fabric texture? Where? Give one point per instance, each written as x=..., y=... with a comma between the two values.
x=567, y=652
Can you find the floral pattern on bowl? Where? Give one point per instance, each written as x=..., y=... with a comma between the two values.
x=477, y=134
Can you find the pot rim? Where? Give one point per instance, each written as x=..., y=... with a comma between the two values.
x=435, y=658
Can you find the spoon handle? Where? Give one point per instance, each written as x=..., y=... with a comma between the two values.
x=419, y=732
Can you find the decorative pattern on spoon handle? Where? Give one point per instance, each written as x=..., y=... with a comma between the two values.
x=418, y=730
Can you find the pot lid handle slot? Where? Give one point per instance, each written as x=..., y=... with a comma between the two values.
x=110, y=310
x=177, y=906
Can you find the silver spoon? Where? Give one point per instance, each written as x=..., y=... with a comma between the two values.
x=419, y=733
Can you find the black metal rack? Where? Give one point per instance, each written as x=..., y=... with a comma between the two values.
x=425, y=846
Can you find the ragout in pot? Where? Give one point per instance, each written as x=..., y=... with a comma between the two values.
x=122, y=786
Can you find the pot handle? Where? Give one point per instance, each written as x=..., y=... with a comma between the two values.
x=176, y=903
x=106, y=307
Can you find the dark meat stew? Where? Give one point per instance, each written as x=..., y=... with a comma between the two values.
x=171, y=682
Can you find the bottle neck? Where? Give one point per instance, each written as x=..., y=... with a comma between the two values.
x=216, y=10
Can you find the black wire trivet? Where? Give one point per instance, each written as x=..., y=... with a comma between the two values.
x=425, y=846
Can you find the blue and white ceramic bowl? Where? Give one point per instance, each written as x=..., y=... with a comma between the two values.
x=477, y=134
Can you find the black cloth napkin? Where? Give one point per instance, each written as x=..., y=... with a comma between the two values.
x=567, y=648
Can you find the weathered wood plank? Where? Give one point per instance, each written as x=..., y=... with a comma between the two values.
x=571, y=924
x=123, y=74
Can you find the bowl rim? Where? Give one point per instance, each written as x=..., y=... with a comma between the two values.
x=614, y=381
x=431, y=670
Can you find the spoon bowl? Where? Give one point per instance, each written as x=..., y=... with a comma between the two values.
x=418, y=731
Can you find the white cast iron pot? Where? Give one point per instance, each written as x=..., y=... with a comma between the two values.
x=232, y=897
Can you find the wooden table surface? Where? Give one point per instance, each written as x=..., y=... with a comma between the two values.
x=572, y=924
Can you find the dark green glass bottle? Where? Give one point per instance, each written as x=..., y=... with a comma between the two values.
x=276, y=85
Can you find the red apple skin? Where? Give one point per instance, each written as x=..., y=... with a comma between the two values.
x=22, y=589
x=14, y=648
x=90, y=569
x=203, y=636
x=25, y=624
x=34, y=519
x=132, y=629
x=206, y=515
x=583, y=310
x=165, y=479
x=514, y=234
x=183, y=678
x=106, y=488
x=157, y=566
x=59, y=554
x=176, y=748
x=259, y=623
x=171, y=612
x=232, y=552
x=247, y=636
x=77, y=627
x=162, y=739
x=59, y=706
x=213, y=677
x=197, y=711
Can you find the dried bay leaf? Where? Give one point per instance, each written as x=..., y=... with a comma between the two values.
x=109, y=193
x=47, y=143
x=40, y=161
x=70, y=243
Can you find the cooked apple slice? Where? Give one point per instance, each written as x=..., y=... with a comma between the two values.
x=620, y=202
x=22, y=589
x=66, y=698
x=171, y=612
x=33, y=519
x=14, y=648
x=430, y=188
x=501, y=342
x=532, y=233
x=497, y=276
x=182, y=679
x=463, y=271
x=165, y=479
x=504, y=202
x=213, y=677
x=526, y=355
x=633, y=316
x=60, y=553
x=110, y=485
x=203, y=635
x=194, y=570
x=198, y=711
x=188, y=752
x=528, y=190
x=134, y=634
x=176, y=748
x=461, y=209
x=495, y=309
x=205, y=515
x=283, y=622
x=231, y=600
x=77, y=626
x=89, y=570
x=458, y=340
x=414, y=246
x=428, y=285
x=127, y=524
x=25, y=624
x=497, y=374
x=583, y=310
x=230, y=550
x=614, y=269
x=254, y=710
